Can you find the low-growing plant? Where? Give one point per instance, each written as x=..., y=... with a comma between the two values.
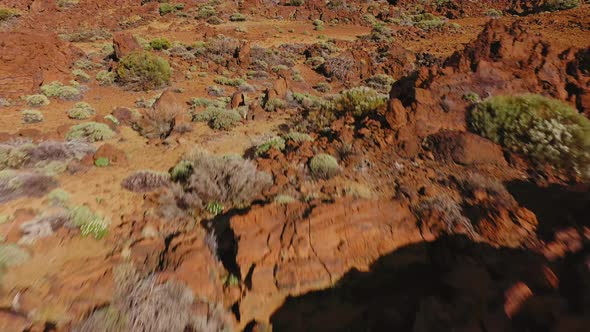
x=146, y=180
x=25, y=154
x=166, y=8
x=15, y=184
x=277, y=143
x=81, y=111
x=298, y=137
x=88, y=222
x=12, y=255
x=318, y=25
x=449, y=212
x=32, y=116
x=160, y=44
x=37, y=100
x=359, y=101
x=143, y=70
x=8, y=13
x=102, y=162
x=105, y=77
x=381, y=33
x=237, y=17
x=205, y=11
x=214, y=208
x=157, y=122
x=81, y=75
x=296, y=3
x=61, y=91
x=90, y=131
x=324, y=166
x=284, y=199
x=218, y=118
x=380, y=82
x=546, y=130
x=228, y=180
x=58, y=197
x=555, y=5
x=229, y=81
x=275, y=104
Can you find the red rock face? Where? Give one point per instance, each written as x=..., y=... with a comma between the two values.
x=290, y=250
x=29, y=59
x=502, y=60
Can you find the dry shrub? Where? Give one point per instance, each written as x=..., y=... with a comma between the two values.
x=145, y=181
x=25, y=154
x=444, y=214
x=339, y=67
x=24, y=184
x=158, y=122
x=230, y=180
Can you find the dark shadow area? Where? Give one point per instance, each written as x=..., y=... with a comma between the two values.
x=451, y=284
x=556, y=207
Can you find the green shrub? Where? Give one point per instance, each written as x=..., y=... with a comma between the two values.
x=37, y=100
x=6, y=13
x=381, y=32
x=214, y=208
x=102, y=162
x=555, y=5
x=359, y=101
x=160, y=44
x=318, y=25
x=143, y=70
x=229, y=81
x=81, y=111
x=32, y=116
x=81, y=75
x=205, y=11
x=275, y=104
x=296, y=3
x=58, y=197
x=544, y=129
x=324, y=166
x=59, y=90
x=90, y=131
x=105, y=77
x=380, y=82
x=284, y=199
x=218, y=118
x=166, y=8
x=277, y=143
x=298, y=137
x=11, y=255
x=237, y=17
x=88, y=222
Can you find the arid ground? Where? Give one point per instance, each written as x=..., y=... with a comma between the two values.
x=298, y=165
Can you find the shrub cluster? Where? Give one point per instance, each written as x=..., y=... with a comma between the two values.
x=160, y=44
x=37, y=100
x=81, y=111
x=25, y=154
x=89, y=131
x=143, y=71
x=202, y=178
x=546, y=130
x=14, y=184
x=61, y=91
x=218, y=118
x=32, y=116
x=324, y=166
x=145, y=181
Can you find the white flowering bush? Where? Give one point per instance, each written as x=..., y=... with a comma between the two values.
x=544, y=129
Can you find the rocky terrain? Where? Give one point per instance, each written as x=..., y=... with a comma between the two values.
x=297, y=165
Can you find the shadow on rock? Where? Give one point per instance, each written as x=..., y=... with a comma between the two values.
x=451, y=284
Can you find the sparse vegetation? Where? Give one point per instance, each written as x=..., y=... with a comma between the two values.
x=61, y=91
x=105, y=77
x=237, y=17
x=8, y=13
x=90, y=131
x=555, y=5
x=15, y=184
x=359, y=101
x=88, y=222
x=145, y=181
x=450, y=214
x=37, y=100
x=32, y=116
x=546, y=130
x=81, y=111
x=160, y=44
x=324, y=166
x=218, y=118
x=277, y=143
x=143, y=71
x=202, y=178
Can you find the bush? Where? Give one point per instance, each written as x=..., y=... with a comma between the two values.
x=160, y=44
x=339, y=67
x=23, y=153
x=381, y=32
x=380, y=82
x=37, y=100
x=229, y=81
x=166, y=8
x=324, y=166
x=275, y=104
x=218, y=118
x=296, y=3
x=32, y=116
x=359, y=101
x=102, y=162
x=228, y=180
x=298, y=137
x=105, y=77
x=145, y=181
x=449, y=212
x=277, y=143
x=81, y=75
x=205, y=11
x=61, y=91
x=88, y=222
x=143, y=70
x=12, y=255
x=318, y=25
x=555, y=5
x=24, y=184
x=81, y=111
x=284, y=199
x=546, y=130
x=7, y=13
x=237, y=17
x=90, y=131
